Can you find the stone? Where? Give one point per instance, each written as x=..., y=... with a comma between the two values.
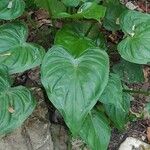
x=59, y=137
x=13, y=141
x=134, y=144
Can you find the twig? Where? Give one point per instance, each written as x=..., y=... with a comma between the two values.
x=137, y=91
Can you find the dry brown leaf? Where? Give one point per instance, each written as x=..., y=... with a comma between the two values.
x=146, y=71
x=11, y=110
x=148, y=134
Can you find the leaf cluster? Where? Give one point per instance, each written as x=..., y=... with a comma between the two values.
x=75, y=72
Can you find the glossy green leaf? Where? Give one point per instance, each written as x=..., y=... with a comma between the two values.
x=130, y=19
x=11, y=9
x=72, y=36
x=129, y=72
x=116, y=102
x=136, y=46
x=74, y=83
x=91, y=10
x=16, y=104
x=111, y=19
x=15, y=52
x=96, y=131
x=73, y=3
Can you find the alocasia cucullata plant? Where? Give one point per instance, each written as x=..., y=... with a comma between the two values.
x=76, y=73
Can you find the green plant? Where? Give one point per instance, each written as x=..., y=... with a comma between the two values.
x=76, y=73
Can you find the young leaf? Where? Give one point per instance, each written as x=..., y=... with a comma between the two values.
x=74, y=82
x=129, y=72
x=116, y=102
x=135, y=47
x=16, y=104
x=73, y=35
x=11, y=9
x=96, y=131
x=15, y=52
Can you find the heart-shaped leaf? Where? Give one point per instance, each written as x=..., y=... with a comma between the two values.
x=11, y=9
x=116, y=102
x=15, y=52
x=16, y=104
x=136, y=46
x=130, y=19
x=74, y=83
x=96, y=131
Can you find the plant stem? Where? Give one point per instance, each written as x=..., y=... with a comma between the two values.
x=88, y=31
x=137, y=91
x=69, y=145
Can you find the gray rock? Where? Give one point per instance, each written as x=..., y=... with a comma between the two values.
x=13, y=141
x=134, y=144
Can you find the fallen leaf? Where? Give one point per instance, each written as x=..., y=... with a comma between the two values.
x=11, y=110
